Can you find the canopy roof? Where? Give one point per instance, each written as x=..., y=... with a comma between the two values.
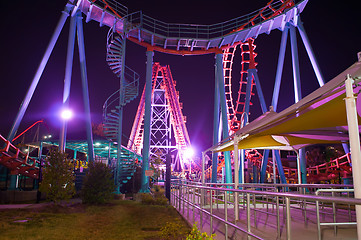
x=319, y=118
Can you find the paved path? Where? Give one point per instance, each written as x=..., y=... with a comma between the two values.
x=35, y=205
x=265, y=225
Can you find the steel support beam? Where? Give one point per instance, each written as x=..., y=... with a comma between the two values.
x=215, y=131
x=222, y=97
x=147, y=121
x=298, y=95
x=281, y=60
x=84, y=78
x=67, y=80
x=264, y=165
x=39, y=72
x=120, y=119
x=353, y=131
x=253, y=72
x=310, y=53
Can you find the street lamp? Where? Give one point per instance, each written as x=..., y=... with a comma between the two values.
x=66, y=114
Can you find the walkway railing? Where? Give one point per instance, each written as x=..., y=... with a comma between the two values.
x=211, y=203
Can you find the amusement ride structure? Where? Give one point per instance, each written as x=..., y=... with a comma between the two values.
x=159, y=114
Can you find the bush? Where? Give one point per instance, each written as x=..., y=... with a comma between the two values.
x=155, y=199
x=146, y=199
x=98, y=184
x=58, y=178
x=197, y=235
x=173, y=231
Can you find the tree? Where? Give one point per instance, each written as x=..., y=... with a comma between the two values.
x=98, y=184
x=58, y=178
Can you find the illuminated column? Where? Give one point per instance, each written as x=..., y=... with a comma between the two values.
x=215, y=131
x=67, y=80
x=281, y=60
x=236, y=176
x=147, y=121
x=222, y=97
x=353, y=131
x=310, y=53
x=298, y=95
x=85, y=86
x=120, y=119
x=39, y=72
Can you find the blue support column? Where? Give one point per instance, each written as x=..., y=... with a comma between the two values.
x=295, y=65
x=303, y=165
x=85, y=86
x=109, y=148
x=120, y=119
x=147, y=121
x=247, y=99
x=281, y=60
x=222, y=97
x=67, y=80
x=215, y=131
x=298, y=93
x=310, y=53
x=13, y=181
x=276, y=90
x=39, y=72
x=253, y=72
x=281, y=172
x=264, y=165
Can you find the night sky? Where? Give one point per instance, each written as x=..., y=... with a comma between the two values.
x=334, y=31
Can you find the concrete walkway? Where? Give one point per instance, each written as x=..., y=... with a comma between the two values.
x=36, y=205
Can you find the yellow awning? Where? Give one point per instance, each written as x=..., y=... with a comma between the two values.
x=323, y=109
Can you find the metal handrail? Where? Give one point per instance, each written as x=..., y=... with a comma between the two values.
x=198, y=31
x=114, y=5
x=334, y=223
x=184, y=191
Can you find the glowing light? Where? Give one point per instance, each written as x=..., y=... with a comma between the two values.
x=97, y=144
x=66, y=114
x=189, y=152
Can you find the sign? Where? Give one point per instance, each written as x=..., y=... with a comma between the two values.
x=149, y=173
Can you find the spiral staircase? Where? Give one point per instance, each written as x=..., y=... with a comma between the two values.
x=128, y=91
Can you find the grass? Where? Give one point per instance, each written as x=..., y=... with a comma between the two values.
x=117, y=220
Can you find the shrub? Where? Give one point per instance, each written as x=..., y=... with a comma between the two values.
x=58, y=178
x=98, y=184
x=173, y=231
x=146, y=199
x=156, y=199
x=197, y=235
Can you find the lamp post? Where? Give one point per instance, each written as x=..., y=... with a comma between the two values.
x=66, y=115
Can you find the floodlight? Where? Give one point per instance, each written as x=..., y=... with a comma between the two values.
x=66, y=114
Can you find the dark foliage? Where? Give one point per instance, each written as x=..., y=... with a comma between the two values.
x=98, y=184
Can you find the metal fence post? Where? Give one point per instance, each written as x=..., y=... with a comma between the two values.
x=288, y=218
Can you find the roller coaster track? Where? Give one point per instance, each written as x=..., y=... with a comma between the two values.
x=184, y=39
x=177, y=119
x=16, y=161
x=235, y=112
x=331, y=170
